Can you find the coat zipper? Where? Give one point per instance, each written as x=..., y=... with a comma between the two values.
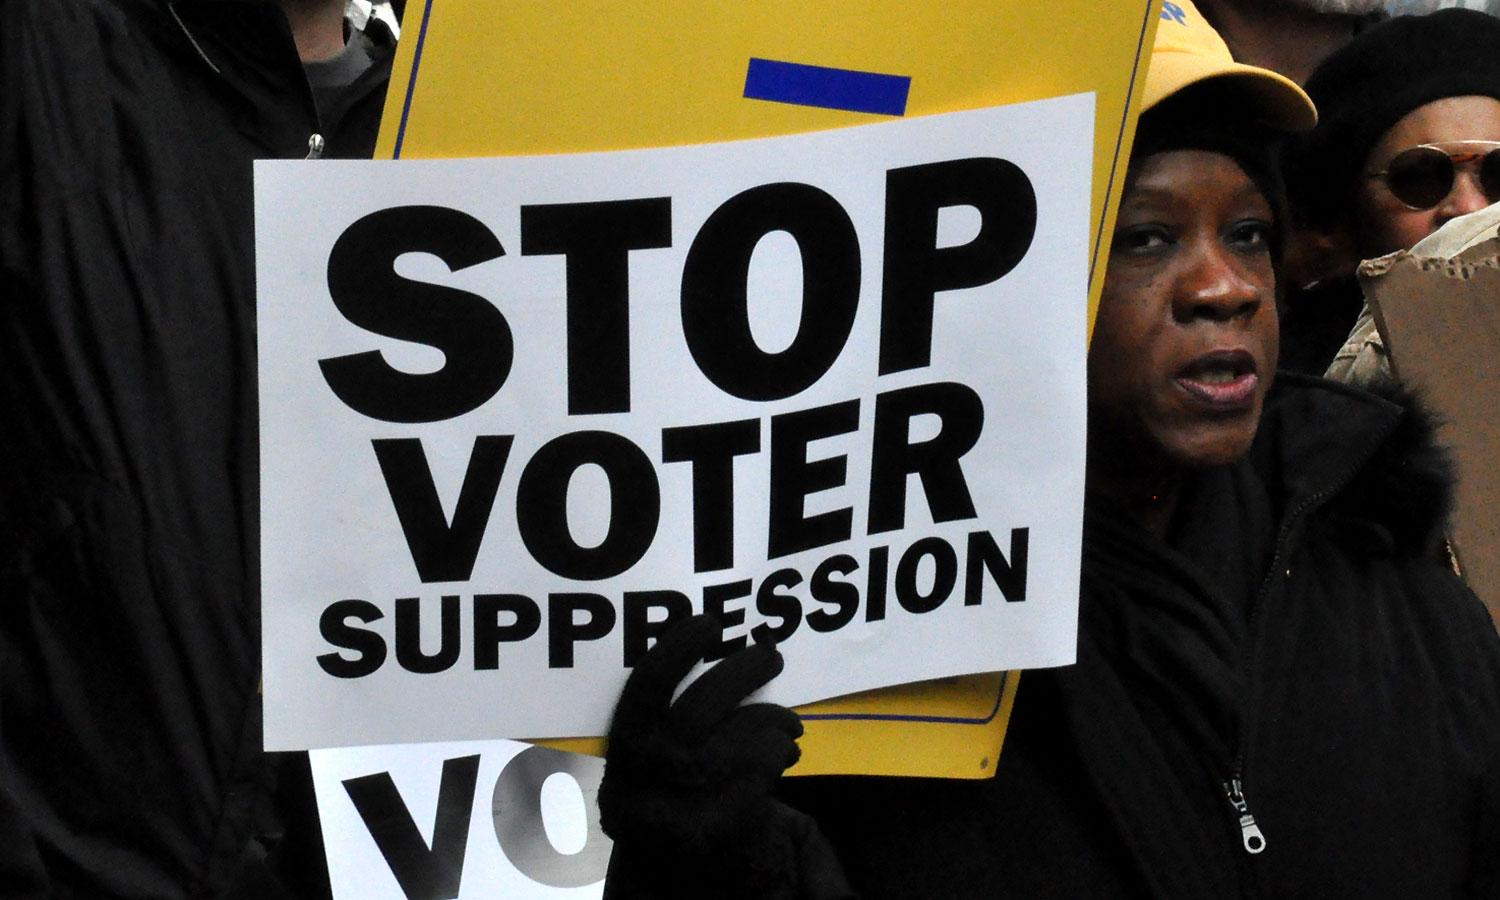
x=1250, y=833
x=1251, y=836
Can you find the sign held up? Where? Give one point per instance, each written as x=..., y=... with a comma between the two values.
x=519, y=413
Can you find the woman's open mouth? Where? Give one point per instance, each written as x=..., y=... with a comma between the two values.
x=1225, y=379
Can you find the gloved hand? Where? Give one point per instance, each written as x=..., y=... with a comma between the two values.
x=687, y=791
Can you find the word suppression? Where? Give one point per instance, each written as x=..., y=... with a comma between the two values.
x=839, y=592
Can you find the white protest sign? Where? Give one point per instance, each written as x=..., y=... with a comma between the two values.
x=471, y=820
x=515, y=412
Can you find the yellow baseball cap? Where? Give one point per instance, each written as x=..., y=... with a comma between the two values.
x=1189, y=51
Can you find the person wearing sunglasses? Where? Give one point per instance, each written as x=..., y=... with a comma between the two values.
x=1406, y=141
x=1423, y=186
x=1422, y=177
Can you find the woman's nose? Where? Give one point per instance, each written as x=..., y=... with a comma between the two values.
x=1216, y=284
x=1466, y=196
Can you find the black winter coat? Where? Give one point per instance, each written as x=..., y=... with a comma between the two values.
x=1299, y=633
x=130, y=762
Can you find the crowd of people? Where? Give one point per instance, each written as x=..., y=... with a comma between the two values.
x=1282, y=686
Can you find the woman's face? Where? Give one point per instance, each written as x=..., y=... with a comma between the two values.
x=1383, y=223
x=1185, y=342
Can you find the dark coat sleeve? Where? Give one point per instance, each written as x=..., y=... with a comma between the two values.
x=130, y=747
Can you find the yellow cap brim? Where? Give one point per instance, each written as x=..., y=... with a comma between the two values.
x=1282, y=104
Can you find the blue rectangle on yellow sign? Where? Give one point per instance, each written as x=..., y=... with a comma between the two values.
x=826, y=87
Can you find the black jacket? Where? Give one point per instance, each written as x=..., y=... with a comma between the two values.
x=1316, y=321
x=1351, y=683
x=130, y=762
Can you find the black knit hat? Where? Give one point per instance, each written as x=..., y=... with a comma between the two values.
x=1369, y=84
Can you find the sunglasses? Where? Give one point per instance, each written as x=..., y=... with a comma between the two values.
x=1420, y=177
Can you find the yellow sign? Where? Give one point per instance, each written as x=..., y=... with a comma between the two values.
x=530, y=77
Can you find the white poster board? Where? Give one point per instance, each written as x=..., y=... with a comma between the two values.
x=516, y=411
x=472, y=820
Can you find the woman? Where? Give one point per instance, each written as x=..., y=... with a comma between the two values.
x=1410, y=120
x=1279, y=690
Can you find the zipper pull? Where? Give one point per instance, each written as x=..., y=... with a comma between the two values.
x=1250, y=832
x=314, y=146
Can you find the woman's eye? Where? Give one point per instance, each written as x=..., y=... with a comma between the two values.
x=1251, y=235
x=1141, y=239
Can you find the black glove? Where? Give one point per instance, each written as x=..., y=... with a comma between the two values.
x=687, y=790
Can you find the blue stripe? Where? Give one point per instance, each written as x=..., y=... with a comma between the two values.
x=411, y=84
x=868, y=92
x=900, y=717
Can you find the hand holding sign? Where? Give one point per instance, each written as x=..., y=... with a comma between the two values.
x=687, y=785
